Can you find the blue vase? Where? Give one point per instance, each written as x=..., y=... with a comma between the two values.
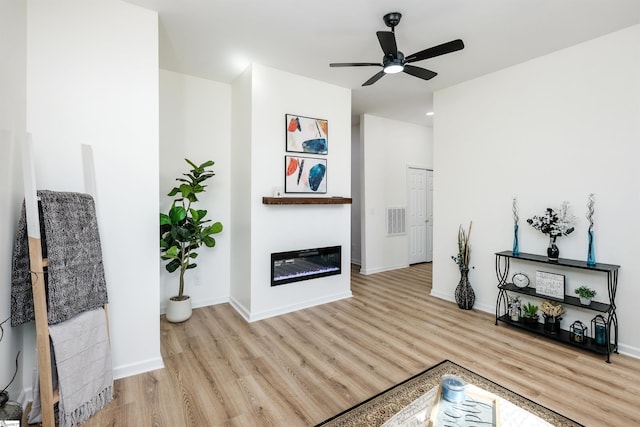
x=591, y=255
x=516, y=249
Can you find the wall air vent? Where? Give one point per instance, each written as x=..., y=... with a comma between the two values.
x=396, y=223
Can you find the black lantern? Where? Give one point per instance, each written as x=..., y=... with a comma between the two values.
x=599, y=330
x=578, y=332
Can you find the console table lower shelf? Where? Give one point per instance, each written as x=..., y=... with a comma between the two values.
x=562, y=336
x=606, y=310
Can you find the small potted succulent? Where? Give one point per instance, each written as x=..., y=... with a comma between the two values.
x=586, y=294
x=530, y=314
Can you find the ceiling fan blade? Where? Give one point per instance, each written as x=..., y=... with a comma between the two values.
x=374, y=79
x=388, y=43
x=355, y=64
x=422, y=73
x=434, y=51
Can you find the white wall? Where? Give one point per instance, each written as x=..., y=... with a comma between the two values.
x=12, y=124
x=356, y=189
x=195, y=123
x=92, y=77
x=388, y=147
x=241, y=200
x=552, y=129
x=273, y=94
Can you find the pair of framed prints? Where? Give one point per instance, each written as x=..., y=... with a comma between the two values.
x=306, y=173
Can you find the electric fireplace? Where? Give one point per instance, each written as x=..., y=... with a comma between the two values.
x=305, y=264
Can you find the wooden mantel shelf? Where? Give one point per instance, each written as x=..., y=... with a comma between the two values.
x=306, y=200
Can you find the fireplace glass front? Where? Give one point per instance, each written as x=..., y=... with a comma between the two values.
x=294, y=266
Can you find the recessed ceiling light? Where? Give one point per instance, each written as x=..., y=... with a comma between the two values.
x=429, y=113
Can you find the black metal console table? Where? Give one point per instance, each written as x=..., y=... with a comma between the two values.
x=503, y=261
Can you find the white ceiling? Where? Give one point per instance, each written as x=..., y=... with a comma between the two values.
x=217, y=39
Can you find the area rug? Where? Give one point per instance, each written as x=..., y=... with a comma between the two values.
x=376, y=410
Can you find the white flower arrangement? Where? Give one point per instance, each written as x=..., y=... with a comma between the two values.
x=554, y=224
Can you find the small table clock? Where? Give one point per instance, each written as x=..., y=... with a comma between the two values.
x=520, y=280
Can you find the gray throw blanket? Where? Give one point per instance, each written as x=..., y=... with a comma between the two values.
x=75, y=276
x=82, y=361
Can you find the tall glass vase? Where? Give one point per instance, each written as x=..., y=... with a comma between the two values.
x=591, y=254
x=516, y=249
x=552, y=251
x=465, y=297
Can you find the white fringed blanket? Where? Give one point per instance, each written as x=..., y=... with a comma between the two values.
x=84, y=371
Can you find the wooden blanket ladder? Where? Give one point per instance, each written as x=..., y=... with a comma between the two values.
x=48, y=395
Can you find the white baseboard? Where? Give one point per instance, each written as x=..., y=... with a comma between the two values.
x=382, y=269
x=478, y=306
x=25, y=397
x=208, y=302
x=629, y=350
x=199, y=303
x=241, y=309
x=252, y=317
x=123, y=371
x=440, y=295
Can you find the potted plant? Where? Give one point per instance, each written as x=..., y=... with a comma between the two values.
x=551, y=313
x=586, y=294
x=530, y=314
x=183, y=230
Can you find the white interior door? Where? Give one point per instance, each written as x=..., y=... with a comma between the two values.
x=417, y=215
x=429, y=248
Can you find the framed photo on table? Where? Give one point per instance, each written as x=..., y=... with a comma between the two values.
x=550, y=285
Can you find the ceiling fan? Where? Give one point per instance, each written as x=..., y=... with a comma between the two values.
x=394, y=61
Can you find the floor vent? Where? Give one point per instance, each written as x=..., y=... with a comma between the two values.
x=396, y=221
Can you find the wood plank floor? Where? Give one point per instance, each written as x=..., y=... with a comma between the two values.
x=300, y=368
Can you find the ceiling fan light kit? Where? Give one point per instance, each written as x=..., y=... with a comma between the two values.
x=393, y=67
x=394, y=61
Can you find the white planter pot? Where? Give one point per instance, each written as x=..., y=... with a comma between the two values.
x=585, y=301
x=178, y=310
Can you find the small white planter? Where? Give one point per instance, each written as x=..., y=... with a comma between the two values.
x=178, y=310
x=585, y=301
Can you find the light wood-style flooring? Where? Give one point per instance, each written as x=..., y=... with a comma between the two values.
x=300, y=368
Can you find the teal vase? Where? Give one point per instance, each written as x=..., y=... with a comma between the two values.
x=591, y=254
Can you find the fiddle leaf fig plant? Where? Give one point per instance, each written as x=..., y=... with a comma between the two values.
x=184, y=229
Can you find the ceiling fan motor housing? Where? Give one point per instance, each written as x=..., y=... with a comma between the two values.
x=392, y=19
